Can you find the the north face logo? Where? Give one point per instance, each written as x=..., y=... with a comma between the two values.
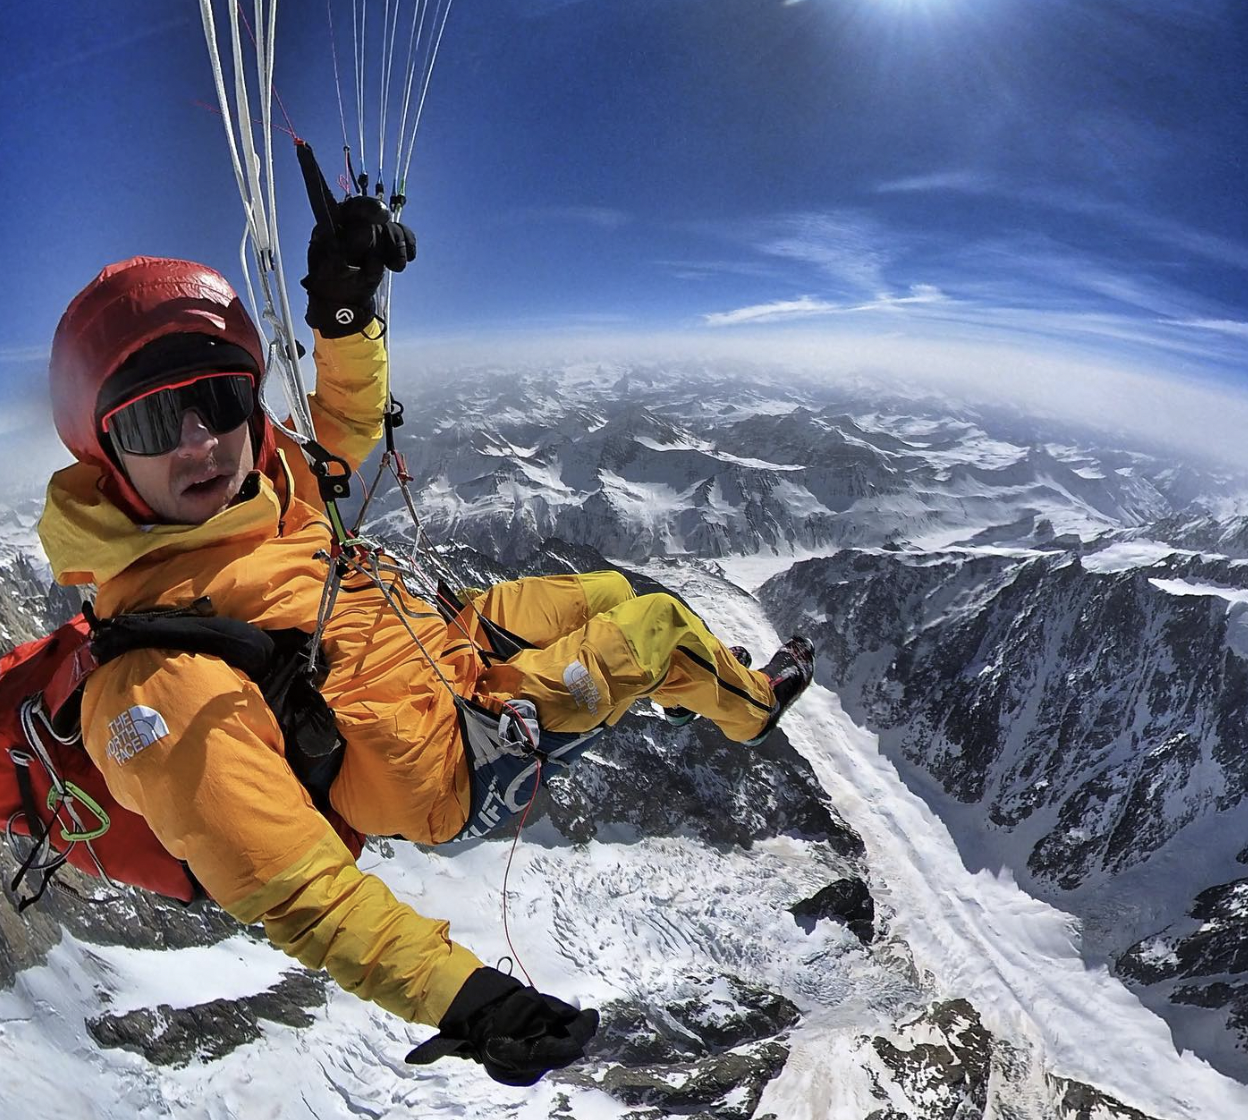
x=581, y=685
x=134, y=729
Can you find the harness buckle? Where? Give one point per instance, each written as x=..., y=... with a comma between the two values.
x=519, y=733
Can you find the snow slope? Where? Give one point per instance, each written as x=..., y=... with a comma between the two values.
x=977, y=934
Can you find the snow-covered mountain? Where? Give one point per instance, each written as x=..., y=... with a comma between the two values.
x=700, y=464
x=1018, y=771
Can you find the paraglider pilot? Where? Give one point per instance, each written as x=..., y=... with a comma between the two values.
x=183, y=489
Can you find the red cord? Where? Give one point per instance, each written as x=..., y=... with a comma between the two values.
x=290, y=128
x=254, y=120
x=537, y=784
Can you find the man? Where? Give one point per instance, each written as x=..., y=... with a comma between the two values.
x=182, y=489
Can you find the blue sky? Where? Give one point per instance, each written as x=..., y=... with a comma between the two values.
x=1056, y=173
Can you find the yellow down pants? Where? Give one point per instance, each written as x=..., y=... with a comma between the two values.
x=599, y=647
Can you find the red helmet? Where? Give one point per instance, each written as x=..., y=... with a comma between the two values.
x=129, y=305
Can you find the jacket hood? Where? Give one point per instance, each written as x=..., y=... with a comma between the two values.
x=128, y=305
x=88, y=539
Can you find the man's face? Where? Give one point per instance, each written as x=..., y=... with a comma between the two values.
x=198, y=478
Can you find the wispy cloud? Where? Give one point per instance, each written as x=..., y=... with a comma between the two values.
x=603, y=217
x=23, y=354
x=804, y=307
x=1234, y=327
x=850, y=248
x=810, y=307
x=1111, y=293
x=969, y=182
x=692, y=269
x=1161, y=231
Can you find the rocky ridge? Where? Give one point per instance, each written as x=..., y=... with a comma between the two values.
x=1095, y=717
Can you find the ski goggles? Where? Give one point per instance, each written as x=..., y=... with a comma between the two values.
x=152, y=423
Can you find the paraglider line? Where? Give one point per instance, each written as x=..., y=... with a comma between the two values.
x=254, y=120
x=290, y=127
x=537, y=784
x=333, y=46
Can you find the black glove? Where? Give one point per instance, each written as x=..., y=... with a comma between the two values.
x=347, y=257
x=516, y=1033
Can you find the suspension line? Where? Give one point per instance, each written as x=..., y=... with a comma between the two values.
x=409, y=70
x=256, y=183
x=333, y=46
x=357, y=35
x=424, y=92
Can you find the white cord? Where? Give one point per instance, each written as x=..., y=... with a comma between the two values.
x=359, y=74
x=418, y=10
x=297, y=393
x=392, y=23
x=218, y=77
x=254, y=184
x=424, y=92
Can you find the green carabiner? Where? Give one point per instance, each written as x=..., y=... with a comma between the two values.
x=77, y=793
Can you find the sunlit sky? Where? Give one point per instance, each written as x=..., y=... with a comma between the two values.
x=1063, y=174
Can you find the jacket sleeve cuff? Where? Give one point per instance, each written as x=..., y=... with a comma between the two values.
x=448, y=979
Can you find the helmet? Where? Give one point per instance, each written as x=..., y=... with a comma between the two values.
x=127, y=308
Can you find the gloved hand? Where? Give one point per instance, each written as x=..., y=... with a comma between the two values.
x=347, y=258
x=515, y=1032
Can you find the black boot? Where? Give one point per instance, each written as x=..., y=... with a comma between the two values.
x=678, y=717
x=790, y=671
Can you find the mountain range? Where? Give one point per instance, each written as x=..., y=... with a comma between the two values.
x=994, y=865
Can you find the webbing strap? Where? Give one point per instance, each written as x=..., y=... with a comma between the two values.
x=40, y=837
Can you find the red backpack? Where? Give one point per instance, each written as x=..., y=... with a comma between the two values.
x=55, y=807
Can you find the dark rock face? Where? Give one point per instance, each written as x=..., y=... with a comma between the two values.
x=708, y=1016
x=1210, y=944
x=96, y=913
x=948, y=1078
x=725, y=1087
x=29, y=607
x=1097, y=714
x=1083, y=1102
x=1208, y=948
x=847, y=900
x=733, y=1017
x=1218, y=995
x=946, y=1065
x=169, y=1036
x=709, y=1051
x=666, y=781
x=1201, y=532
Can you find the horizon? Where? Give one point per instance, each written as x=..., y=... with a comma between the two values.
x=1034, y=184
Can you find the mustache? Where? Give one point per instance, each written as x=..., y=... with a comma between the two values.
x=203, y=471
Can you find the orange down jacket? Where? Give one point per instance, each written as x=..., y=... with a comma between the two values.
x=190, y=744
